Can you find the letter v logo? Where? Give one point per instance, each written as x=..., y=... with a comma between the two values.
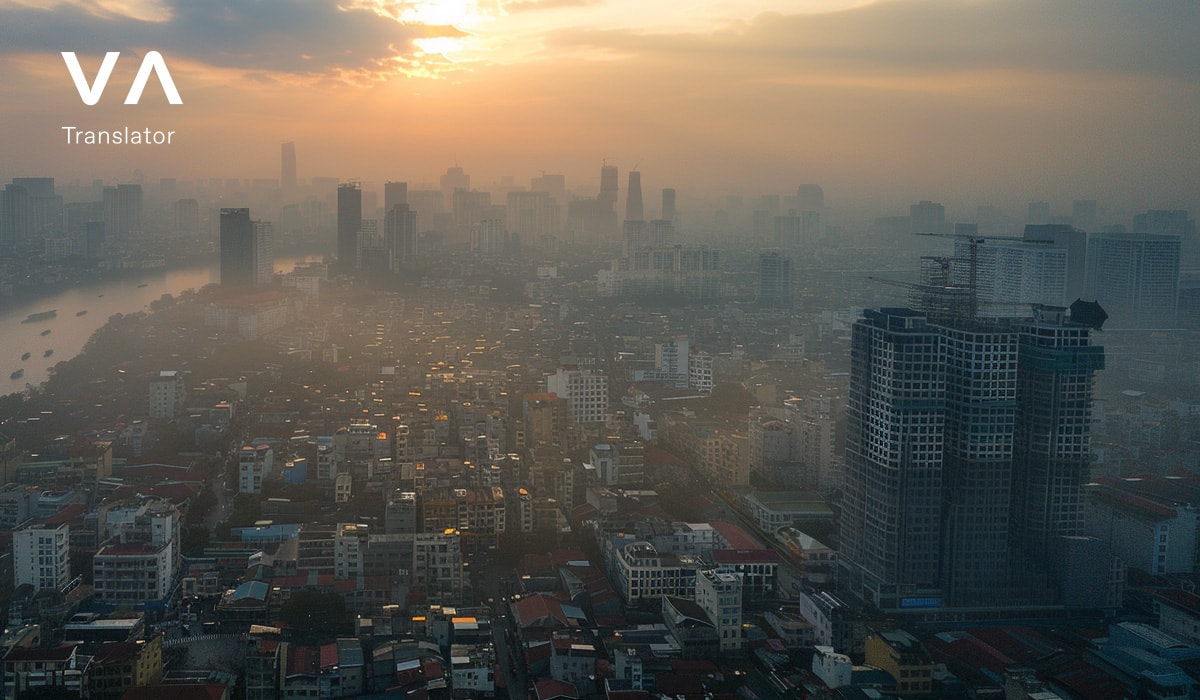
x=90, y=94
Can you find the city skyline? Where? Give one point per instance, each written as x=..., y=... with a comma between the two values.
x=884, y=103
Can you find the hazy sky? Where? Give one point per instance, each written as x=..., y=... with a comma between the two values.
x=961, y=101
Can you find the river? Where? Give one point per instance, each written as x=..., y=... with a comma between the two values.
x=69, y=330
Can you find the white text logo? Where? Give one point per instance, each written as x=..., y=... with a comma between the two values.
x=90, y=94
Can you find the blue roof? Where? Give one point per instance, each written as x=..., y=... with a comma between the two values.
x=251, y=589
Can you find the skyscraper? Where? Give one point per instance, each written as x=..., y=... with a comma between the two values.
x=400, y=230
x=774, y=281
x=810, y=197
x=237, y=248
x=633, y=198
x=247, y=253
x=608, y=185
x=349, y=221
x=1135, y=277
x=966, y=449
x=287, y=170
x=454, y=179
x=394, y=193
x=668, y=204
x=264, y=253
x=122, y=209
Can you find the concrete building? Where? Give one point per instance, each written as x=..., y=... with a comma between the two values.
x=967, y=443
x=1135, y=278
x=585, y=390
x=719, y=594
x=1147, y=525
x=41, y=556
x=255, y=463
x=437, y=565
x=904, y=658
x=167, y=394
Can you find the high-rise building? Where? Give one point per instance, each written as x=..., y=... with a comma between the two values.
x=668, y=204
x=287, y=170
x=400, y=226
x=454, y=179
x=1135, y=278
x=237, y=248
x=634, y=211
x=394, y=193
x=1074, y=242
x=966, y=452
x=774, y=281
x=1009, y=276
x=608, y=185
x=810, y=197
x=1038, y=213
x=264, y=253
x=1083, y=214
x=1056, y=365
x=186, y=215
x=247, y=255
x=122, y=210
x=927, y=217
x=349, y=221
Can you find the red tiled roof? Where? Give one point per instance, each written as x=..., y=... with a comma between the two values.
x=735, y=535
x=555, y=689
x=535, y=608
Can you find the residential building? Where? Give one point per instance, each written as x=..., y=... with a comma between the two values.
x=585, y=390
x=255, y=463
x=1135, y=278
x=167, y=394
x=904, y=658
x=41, y=556
x=719, y=594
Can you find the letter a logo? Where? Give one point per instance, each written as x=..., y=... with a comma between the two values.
x=90, y=94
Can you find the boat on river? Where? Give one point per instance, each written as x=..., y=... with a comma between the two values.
x=41, y=316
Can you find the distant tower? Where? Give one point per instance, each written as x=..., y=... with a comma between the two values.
x=400, y=231
x=633, y=198
x=394, y=193
x=1083, y=214
x=454, y=179
x=237, y=248
x=810, y=197
x=349, y=221
x=287, y=173
x=263, y=253
x=1135, y=277
x=668, y=204
x=608, y=185
x=774, y=281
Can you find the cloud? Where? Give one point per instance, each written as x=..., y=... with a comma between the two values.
x=532, y=5
x=936, y=37
x=289, y=36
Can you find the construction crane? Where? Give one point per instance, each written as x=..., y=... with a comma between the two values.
x=941, y=296
x=973, y=241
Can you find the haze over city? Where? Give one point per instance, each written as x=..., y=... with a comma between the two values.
x=884, y=103
x=599, y=349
